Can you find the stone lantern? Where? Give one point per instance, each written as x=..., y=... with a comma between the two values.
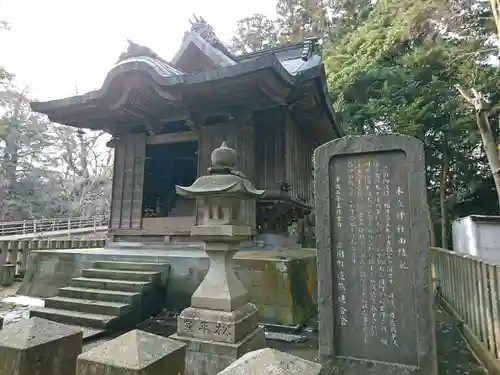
x=221, y=324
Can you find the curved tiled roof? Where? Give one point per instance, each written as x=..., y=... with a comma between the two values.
x=161, y=67
x=286, y=64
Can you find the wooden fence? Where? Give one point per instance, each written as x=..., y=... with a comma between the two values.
x=469, y=288
x=16, y=252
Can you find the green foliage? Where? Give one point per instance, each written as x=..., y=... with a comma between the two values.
x=254, y=33
x=4, y=75
x=48, y=170
x=392, y=66
x=295, y=21
x=397, y=73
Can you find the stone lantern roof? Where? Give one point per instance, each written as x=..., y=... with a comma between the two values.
x=223, y=180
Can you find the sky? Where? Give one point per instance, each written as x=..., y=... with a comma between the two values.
x=59, y=48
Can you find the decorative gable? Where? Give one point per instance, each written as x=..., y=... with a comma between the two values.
x=201, y=49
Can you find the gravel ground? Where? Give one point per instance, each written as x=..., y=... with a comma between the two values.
x=9, y=311
x=454, y=357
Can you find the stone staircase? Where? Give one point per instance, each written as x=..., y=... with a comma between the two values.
x=109, y=297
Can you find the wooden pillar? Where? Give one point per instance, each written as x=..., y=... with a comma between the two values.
x=128, y=178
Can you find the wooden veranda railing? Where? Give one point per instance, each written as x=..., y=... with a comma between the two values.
x=40, y=226
x=16, y=252
x=469, y=288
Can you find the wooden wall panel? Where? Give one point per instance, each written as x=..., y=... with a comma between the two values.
x=128, y=181
x=117, y=189
x=269, y=148
x=137, y=191
x=245, y=146
x=298, y=160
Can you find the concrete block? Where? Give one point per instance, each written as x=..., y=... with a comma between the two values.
x=7, y=273
x=39, y=347
x=134, y=353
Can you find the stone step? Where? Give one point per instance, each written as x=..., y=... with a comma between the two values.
x=73, y=317
x=88, y=306
x=99, y=294
x=121, y=285
x=90, y=333
x=102, y=273
x=131, y=266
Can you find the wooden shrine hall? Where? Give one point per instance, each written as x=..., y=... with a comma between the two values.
x=166, y=118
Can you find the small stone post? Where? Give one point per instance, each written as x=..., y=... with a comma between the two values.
x=221, y=325
x=8, y=269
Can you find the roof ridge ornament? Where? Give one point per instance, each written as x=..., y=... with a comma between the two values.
x=137, y=50
x=311, y=45
x=201, y=27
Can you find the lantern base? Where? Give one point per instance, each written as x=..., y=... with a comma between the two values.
x=221, y=326
x=207, y=357
x=220, y=289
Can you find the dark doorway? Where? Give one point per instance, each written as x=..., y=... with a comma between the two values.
x=167, y=165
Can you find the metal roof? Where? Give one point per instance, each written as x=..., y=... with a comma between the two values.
x=297, y=65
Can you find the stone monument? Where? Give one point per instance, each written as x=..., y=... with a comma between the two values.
x=221, y=325
x=374, y=282
x=134, y=353
x=39, y=347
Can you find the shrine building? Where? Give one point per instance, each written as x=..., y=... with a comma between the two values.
x=166, y=118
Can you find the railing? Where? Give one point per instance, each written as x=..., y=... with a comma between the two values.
x=16, y=252
x=469, y=288
x=40, y=226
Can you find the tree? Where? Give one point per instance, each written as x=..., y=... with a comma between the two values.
x=495, y=10
x=86, y=171
x=47, y=169
x=254, y=33
x=482, y=107
x=299, y=19
x=396, y=73
x=23, y=139
x=5, y=76
x=295, y=21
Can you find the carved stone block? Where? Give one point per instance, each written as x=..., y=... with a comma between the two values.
x=221, y=326
x=135, y=352
x=39, y=347
x=271, y=362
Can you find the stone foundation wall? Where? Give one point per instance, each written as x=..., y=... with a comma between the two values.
x=281, y=284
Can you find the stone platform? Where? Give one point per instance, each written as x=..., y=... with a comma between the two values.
x=282, y=284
